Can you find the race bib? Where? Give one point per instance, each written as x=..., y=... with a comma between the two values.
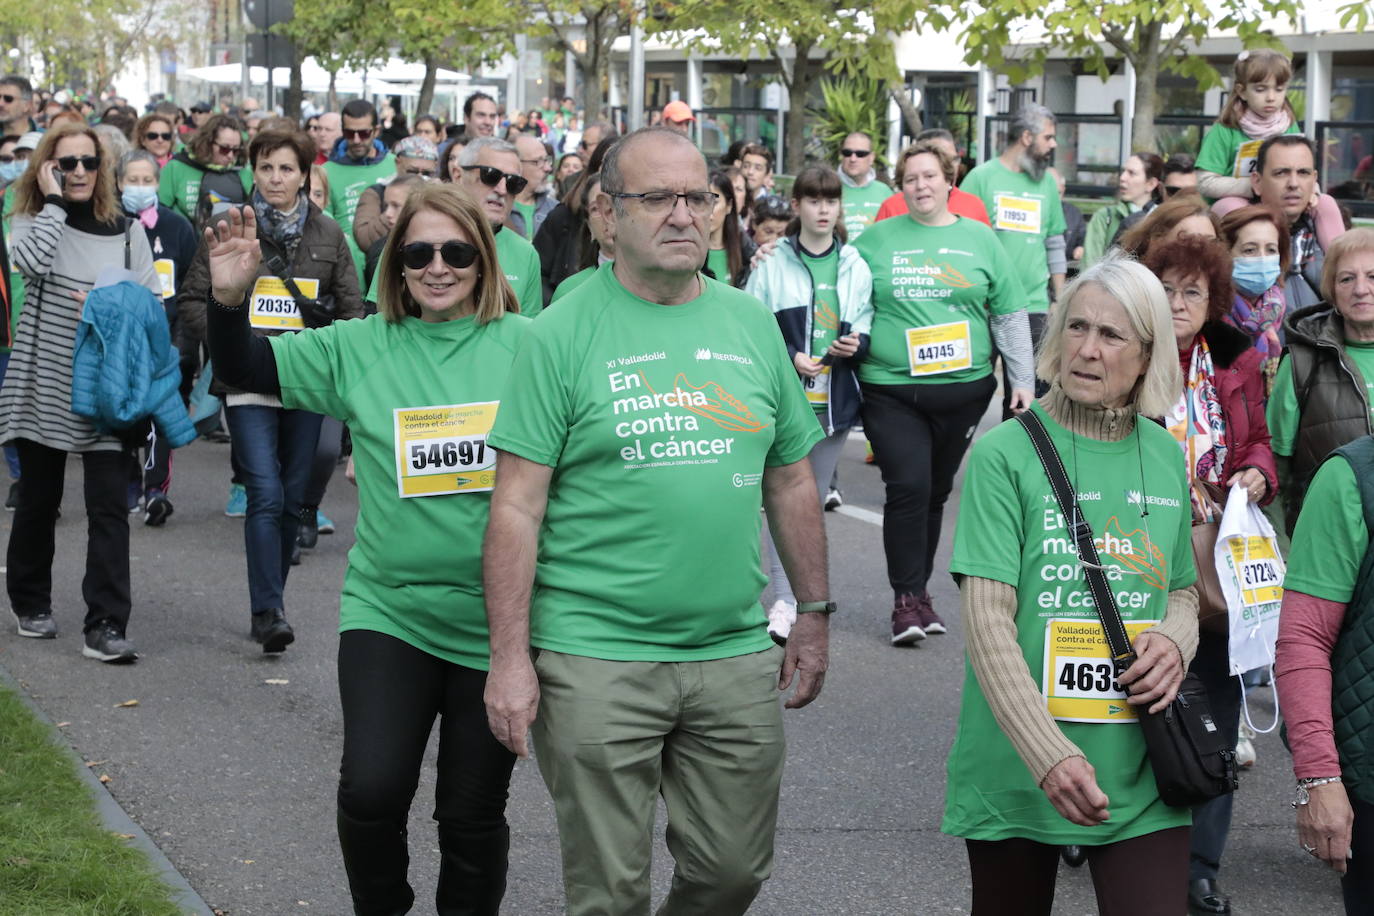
x=444, y=449
x=1257, y=570
x=1079, y=681
x=1247, y=154
x=166, y=274
x=818, y=388
x=1017, y=214
x=939, y=348
x=271, y=307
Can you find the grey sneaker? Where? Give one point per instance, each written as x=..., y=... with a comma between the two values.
x=930, y=621
x=906, y=621
x=38, y=626
x=105, y=643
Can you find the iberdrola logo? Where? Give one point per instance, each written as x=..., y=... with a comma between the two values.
x=704, y=353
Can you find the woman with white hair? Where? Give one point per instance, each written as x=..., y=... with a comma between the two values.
x=1047, y=751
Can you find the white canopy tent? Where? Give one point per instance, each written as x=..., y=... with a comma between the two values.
x=314, y=78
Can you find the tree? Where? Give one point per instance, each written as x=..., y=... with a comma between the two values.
x=338, y=34
x=1154, y=36
x=467, y=33
x=600, y=23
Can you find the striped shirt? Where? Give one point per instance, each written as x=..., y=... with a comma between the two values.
x=57, y=261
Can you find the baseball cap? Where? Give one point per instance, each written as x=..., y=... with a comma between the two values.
x=202, y=107
x=414, y=147
x=678, y=111
x=29, y=140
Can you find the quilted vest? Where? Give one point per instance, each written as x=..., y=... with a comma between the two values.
x=1352, y=662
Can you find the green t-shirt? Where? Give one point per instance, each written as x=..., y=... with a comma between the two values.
x=527, y=211
x=861, y=206
x=1025, y=213
x=1282, y=414
x=1331, y=537
x=179, y=186
x=520, y=263
x=825, y=316
x=346, y=184
x=415, y=569
x=941, y=283
x=1228, y=152
x=659, y=422
x=1010, y=530
x=571, y=283
x=718, y=262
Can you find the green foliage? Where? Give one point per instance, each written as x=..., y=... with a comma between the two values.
x=850, y=105
x=1356, y=16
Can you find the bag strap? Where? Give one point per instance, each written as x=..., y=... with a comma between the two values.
x=128, y=253
x=1118, y=642
x=277, y=264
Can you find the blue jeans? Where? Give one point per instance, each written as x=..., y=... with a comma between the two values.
x=274, y=448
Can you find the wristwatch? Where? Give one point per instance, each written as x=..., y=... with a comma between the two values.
x=816, y=607
x=1305, y=784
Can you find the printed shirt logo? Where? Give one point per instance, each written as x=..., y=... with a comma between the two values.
x=705, y=354
x=660, y=429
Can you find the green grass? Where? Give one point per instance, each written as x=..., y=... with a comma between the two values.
x=56, y=857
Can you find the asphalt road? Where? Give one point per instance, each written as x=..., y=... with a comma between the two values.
x=229, y=761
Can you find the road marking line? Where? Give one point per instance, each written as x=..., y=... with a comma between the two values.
x=863, y=515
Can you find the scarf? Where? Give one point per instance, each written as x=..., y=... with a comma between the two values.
x=1262, y=320
x=282, y=228
x=851, y=183
x=1197, y=424
x=1258, y=128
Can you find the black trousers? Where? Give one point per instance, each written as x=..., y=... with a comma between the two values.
x=32, y=538
x=1143, y=876
x=1212, y=819
x=391, y=693
x=1358, y=883
x=326, y=460
x=919, y=435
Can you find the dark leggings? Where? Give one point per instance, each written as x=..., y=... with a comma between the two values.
x=1016, y=877
x=391, y=693
x=326, y=460
x=1358, y=883
x=919, y=435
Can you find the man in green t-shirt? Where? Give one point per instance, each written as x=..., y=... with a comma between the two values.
x=647, y=419
x=490, y=173
x=358, y=162
x=862, y=192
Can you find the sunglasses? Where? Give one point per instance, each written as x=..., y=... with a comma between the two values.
x=491, y=176
x=418, y=170
x=6, y=159
x=228, y=150
x=1170, y=190
x=157, y=135
x=69, y=163
x=855, y=153
x=364, y=134
x=9, y=99
x=419, y=255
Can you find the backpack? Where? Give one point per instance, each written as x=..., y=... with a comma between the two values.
x=218, y=191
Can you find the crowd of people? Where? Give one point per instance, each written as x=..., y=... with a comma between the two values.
x=553, y=356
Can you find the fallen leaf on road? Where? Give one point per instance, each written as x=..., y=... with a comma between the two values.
x=126, y=704
x=247, y=861
x=95, y=763
x=104, y=778
x=302, y=903
x=63, y=724
x=125, y=836
x=277, y=680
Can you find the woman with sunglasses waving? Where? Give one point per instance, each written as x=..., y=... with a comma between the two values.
x=419, y=384
x=67, y=228
x=305, y=278
x=202, y=179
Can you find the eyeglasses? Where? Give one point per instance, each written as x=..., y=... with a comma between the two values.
x=1191, y=294
x=543, y=161
x=456, y=254
x=699, y=203
x=855, y=153
x=364, y=134
x=419, y=170
x=157, y=135
x=69, y=163
x=228, y=150
x=491, y=176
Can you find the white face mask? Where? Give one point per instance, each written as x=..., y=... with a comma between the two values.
x=9, y=171
x=137, y=198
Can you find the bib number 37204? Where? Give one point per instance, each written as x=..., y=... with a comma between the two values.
x=443, y=449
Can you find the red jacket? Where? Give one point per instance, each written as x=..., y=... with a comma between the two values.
x=1240, y=388
x=961, y=203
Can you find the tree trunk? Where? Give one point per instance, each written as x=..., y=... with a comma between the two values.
x=1146, y=80
x=426, y=100
x=804, y=71
x=911, y=118
x=291, y=104
x=333, y=97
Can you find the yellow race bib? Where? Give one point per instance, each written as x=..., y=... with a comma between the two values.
x=271, y=306
x=1247, y=154
x=1079, y=683
x=939, y=348
x=818, y=388
x=1017, y=214
x=166, y=274
x=1257, y=570
x=443, y=449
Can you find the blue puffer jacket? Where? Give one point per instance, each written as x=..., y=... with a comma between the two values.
x=124, y=367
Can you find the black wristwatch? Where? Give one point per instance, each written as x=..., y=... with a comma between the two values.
x=816, y=607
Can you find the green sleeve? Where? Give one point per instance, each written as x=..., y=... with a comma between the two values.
x=536, y=409
x=1005, y=294
x=1218, y=153
x=1099, y=234
x=246, y=176
x=531, y=292
x=1183, y=571
x=1330, y=538
x=311, y=370
x=1281, y=415
x=795, y=426
x=166, y=186
x=988, y=536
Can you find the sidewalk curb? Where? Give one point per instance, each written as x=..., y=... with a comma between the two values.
x=114, y=817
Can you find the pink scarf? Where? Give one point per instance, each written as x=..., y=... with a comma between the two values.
x=1258, y=128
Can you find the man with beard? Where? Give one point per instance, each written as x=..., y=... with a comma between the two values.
x=1023, y=202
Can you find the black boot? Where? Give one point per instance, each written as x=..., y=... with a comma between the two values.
x=472, y=871
x=375, y=858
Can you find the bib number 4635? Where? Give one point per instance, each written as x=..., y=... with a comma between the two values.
x=1087, y=677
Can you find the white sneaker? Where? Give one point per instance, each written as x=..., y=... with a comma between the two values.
x=781, y=616
x=833, y=500
x=1245, y=747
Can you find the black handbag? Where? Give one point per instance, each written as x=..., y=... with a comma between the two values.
x=1191, y=762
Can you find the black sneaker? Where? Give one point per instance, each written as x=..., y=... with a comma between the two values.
x=308, y=535
x=105, y=643
x=156, y=512
x=12, y=500
x=271, y=630
x=38, y=626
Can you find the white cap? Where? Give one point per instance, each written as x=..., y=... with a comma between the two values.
x=29, y=140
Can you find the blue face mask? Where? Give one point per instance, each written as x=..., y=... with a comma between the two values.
x=1253, y=276
x=9, y=171
x=136, y=199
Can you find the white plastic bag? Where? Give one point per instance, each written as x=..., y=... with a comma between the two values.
x=1251, y=571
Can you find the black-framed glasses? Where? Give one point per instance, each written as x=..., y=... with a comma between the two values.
x=855, y=153
x=699, y=203
x=420, y=170
x=158, y=135
x=456, y=254
x=364, y=134
x=69, y=163
x=491, y=176
x=542, y=161
x=228, y=150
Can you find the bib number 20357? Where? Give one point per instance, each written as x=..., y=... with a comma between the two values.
x=443, y=449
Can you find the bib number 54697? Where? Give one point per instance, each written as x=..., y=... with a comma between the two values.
x=439, y=455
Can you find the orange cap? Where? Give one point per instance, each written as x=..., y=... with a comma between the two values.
x=678, y=111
